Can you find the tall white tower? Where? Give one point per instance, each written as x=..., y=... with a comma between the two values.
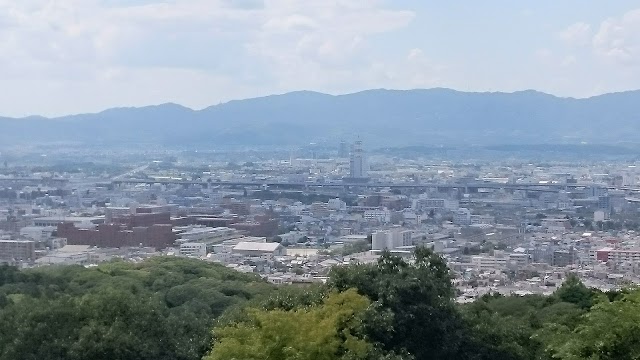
x=357, y=161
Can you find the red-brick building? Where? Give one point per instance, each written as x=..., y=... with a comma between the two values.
x=152, y=229
x=261, y=226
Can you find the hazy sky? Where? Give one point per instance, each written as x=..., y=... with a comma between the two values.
x=70, y=56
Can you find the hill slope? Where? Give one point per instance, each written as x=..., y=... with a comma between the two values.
x=386, y=117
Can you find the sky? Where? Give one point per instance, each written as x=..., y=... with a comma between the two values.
x=62, y=57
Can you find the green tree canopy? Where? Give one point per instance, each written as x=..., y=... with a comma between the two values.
x=413, y=309
x=575, y=292
x=611, y=330
x=162, y=308
x=319, y=332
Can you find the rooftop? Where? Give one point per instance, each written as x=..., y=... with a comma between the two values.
x=255, y=246
x=69, y=218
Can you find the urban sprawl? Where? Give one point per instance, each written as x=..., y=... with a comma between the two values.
x=511, y=227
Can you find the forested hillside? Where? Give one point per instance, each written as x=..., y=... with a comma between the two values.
x=410, y=314
x=166, y=308
x=163, y=308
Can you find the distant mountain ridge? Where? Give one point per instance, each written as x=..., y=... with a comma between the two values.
x=380, y=117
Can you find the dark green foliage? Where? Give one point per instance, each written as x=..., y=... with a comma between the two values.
x=9, y=274
x=292, y=297
x=575, y=292
x=610, y=331
x=413, y=308
x=162, y=308
x=505, y=327
x=413, y=312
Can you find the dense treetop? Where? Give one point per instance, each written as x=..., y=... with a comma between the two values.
x=162, y=308
x=394, y=309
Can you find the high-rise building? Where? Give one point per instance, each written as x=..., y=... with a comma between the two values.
x=357, y=162
x=343, y=150
x=17, y=250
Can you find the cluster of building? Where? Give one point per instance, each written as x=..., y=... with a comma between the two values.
x=506, y=227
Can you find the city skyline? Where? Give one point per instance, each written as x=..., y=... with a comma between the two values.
x=313, y=179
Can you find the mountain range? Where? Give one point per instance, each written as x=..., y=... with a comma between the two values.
x=432, y=117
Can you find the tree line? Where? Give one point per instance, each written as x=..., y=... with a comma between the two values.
x=394, y=309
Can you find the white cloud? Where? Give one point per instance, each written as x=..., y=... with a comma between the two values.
x=594, y=59
x=578, y=34
x=295, y=34
x=295, y=22
x=269, y=46
x=618, y=39
x=84, y=55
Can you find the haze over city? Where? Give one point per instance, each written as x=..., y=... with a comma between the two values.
x=66, y=57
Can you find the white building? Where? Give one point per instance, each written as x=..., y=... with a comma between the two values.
x=556, y=224
x=68, y=255
x=223, y=248
x=462, y=216
x=337, y=204
x=482, y=219
x=402, y=237
x=193, y=249
x=259, y=249
x=379, y=240
x=349, y=239
x=423, y=204
x=519, y=259
x=391, y=239
x=357, y=161
x=600, y=215
x=17, y=250
x=37, y=233
x=319, y=210
x=207, y=235
x=488, y=262
x=380, y=215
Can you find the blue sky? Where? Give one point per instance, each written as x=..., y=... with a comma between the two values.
x=71, y=56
